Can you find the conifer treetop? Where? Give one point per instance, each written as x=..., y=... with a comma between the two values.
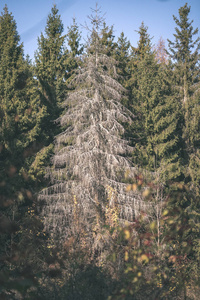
x=184, y=44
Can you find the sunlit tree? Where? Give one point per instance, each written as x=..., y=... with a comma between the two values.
x=90, y=155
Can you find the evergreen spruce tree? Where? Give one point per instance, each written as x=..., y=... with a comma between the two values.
x=153, y=102
x=140, y=58
x=21, y=115
x=107, y=40
x=140, y=55
x=50, y=82
x=184, y=52
x=51, y=70
x=76, y=49
x=21, y=111
x=54, y=70
x=122, y=56
x=194, y=126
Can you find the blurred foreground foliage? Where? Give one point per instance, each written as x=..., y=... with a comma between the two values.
x=154, y=257
x=161, y=252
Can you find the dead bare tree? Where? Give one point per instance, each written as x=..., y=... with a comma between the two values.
x=90, y=154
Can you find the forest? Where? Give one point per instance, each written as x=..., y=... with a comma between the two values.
x=99, y=163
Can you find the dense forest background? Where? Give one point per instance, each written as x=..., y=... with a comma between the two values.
x=99, y=163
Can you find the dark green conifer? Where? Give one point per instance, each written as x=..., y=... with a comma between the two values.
x=76, y=49
x=122, y=55
x=141, y=57
x=138, y=83
x=194, y=142
x=50, y=83
x=21, y=112
x=153, y=102
x=107, y=40
x=51, y=69
x=184, y=53
x=21, y=115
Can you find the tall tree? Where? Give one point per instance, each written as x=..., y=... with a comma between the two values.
x=142, y=53
x=107, y=40
x=21, y=111
x=21, y=115
x=50, y=81
x=122, y=56
x=90, y=153
x=184, y=52
x=76, y=48
x=157, y=130
x=194, y=145
x=51, y=68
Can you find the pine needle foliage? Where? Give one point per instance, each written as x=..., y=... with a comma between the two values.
x=50, y=70
x=75, y=49
x=156, y=130
x=20, y=109
x=184, y=53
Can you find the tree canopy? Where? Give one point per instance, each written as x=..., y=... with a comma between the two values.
x=99, y=163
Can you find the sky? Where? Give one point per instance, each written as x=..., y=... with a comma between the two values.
x=124, y=15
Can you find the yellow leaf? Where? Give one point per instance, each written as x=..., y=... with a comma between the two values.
x=170, y=221
x=135, y=279
x=165, y=212
x=20, y=196
x=134, y=187
x=128, y=270
x=126, y=256
x=144, y=258
x=127, y=234
x=146, y=193
x=153, y=225
x=128, y=188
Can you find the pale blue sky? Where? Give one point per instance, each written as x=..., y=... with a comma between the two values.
x=125, y=15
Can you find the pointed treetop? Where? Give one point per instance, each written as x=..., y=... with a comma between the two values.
x=74, y=38
x=7, y=19
x=54, y=24
x=8, y=34
x=144, y=44
x=183, y=13
x=183, y=45
x=123, y=43
x=5, y=9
